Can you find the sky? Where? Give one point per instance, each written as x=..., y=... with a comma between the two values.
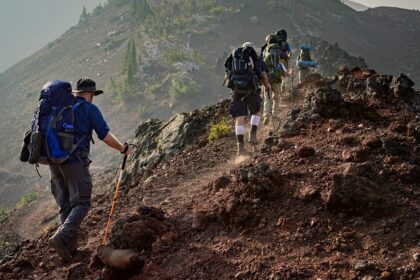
x=26, y=26
x=407, y=4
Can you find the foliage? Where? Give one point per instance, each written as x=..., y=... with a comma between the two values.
x=25, y=200
x=223, y=10
x=219, y=130
x=179, y=89
x=182, y=55
x=154, y=89
x=130, y=62
x=98, y=10
x=141, y=10
x=170, y=17
x=143, y=112
x=84, y=17
x=117, y=2
x=3, y=212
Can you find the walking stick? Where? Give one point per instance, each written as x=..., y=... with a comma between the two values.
x=117, y=189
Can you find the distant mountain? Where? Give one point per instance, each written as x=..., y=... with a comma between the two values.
x=355, y=6
x=158, y=57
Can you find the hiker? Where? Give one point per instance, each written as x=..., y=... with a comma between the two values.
x=286, y=52
x=305, y=62
x=273, y=57
x=244, y=70
x=71, y=182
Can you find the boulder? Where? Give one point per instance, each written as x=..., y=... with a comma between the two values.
x=413, y=129
x=352, y=194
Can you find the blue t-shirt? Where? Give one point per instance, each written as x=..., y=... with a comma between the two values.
x=88, y=118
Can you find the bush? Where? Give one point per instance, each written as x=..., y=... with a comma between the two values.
x=3, y=212
x=25, y=200
x=182, y=89
x=219, y=130
x=223, y=10
x=143, y=111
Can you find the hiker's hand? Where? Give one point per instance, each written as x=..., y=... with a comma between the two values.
x=127, y=149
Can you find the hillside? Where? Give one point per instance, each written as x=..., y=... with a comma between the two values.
x=334, y=194
x=179, y=48
x=179, y=67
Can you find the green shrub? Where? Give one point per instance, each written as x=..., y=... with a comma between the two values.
x=179, y=89
x=154, y=89
x=223, y=10
x=219, y=130
x=181, y=55
x=143, y=111
x=25, y=200
x=3, y=212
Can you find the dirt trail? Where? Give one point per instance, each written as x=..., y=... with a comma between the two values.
x=180, y=190
x=36, y=218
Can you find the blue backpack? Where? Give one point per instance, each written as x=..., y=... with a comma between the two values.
x=52, y=135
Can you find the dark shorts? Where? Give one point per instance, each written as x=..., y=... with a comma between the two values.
x=245, y=104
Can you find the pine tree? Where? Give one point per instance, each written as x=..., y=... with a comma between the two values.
x=130, y=64
x=84, y=16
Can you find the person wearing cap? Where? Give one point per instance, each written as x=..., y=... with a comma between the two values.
x=71, y=182
x=247, y=102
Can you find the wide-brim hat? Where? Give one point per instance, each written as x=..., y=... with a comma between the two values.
x=87, y=85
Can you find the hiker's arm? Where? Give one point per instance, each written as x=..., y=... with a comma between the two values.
x=113, y=142
x=264, y=80
x=287, y=73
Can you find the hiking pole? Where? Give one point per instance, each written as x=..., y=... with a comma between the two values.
x=117, y=189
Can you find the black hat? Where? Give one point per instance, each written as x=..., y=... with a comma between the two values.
x=86, y=84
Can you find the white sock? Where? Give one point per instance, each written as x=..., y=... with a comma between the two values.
x=239, y=130
x=255, y=120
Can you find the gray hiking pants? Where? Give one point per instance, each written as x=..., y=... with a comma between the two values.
x=71, y=186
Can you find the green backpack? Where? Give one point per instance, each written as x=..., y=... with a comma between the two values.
x=305, y=55
x=271, y=58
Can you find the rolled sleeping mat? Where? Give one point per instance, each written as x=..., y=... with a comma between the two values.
x=303, y=63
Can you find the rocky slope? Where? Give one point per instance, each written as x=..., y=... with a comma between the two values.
x=180, y=64
x=334, y=194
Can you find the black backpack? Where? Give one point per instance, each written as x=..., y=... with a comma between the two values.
x=284, y=49
x=241, y=73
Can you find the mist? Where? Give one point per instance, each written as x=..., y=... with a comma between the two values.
x=27, y=25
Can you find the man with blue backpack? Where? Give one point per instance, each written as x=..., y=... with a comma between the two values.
x=60, y=137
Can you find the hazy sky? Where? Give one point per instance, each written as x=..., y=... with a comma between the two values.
x=28, y=25
x=407, y=4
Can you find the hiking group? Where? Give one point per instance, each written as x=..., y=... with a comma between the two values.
x=246, y=72
x=63, y=122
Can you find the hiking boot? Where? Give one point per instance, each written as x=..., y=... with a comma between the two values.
x=253, y=138
x=60, y=247
x=266, y=120
x=241, y=149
